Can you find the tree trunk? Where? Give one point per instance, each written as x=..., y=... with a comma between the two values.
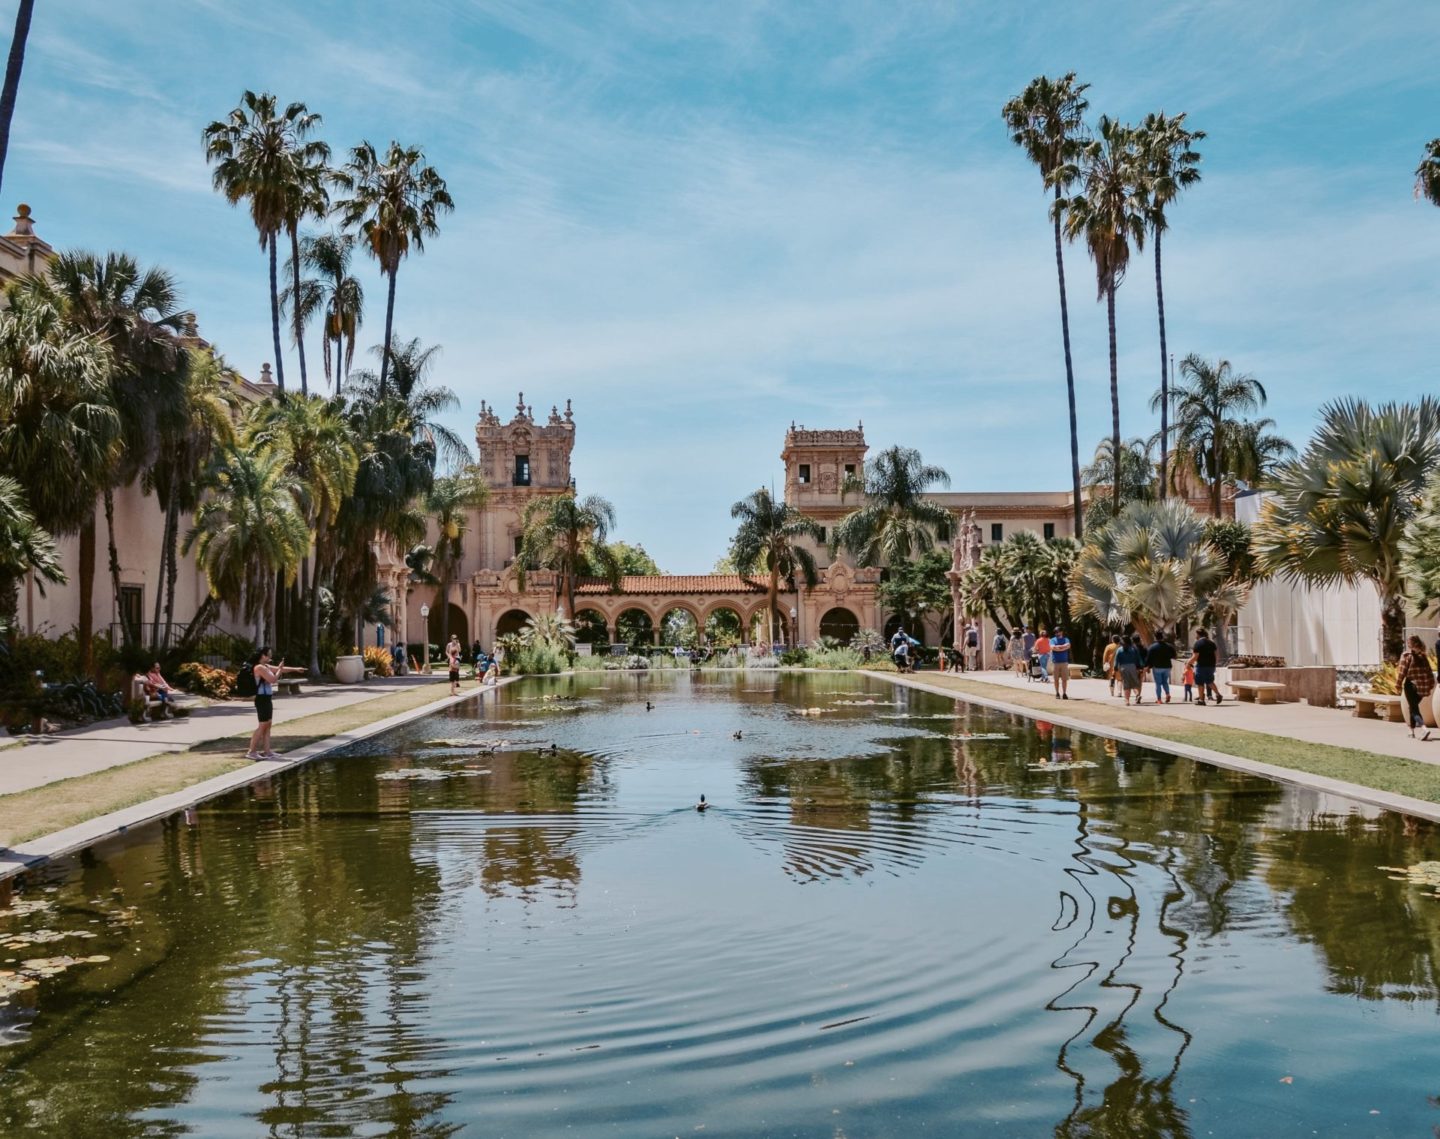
x=275, y=319
x=315, y=621
x=774, y=611
x=389, y=323
x=159, y=589
x=109, y=497
x=295, y=310
x=85, y=629
x=198, y=624
x=1392, y=624
x=1164, y=379
x=1069, y=382
x=1115, y=458
x=172, y=572
x=12, y=75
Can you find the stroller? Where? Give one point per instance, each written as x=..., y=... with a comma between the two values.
x=1036, y=670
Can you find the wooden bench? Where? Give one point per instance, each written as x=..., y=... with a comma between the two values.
x=1368, y=705
x=1257, y=691
x=289, y=686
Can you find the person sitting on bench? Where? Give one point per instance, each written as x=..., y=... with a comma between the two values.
x=157, y=686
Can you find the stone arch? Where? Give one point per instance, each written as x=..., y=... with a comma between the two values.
x=757, y=624
x=635, y=626
x=840, y=623
x=916, y=627
x=459, y=625
x=511, y=621
x=723, y=624
x=592, y=627
x=689, y=630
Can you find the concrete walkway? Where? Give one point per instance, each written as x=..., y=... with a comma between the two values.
x=1337, y=727
x=111, y=743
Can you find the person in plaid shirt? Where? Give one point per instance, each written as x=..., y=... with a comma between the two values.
x=1416, y=680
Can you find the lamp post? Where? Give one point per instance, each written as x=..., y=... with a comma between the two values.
x=794, y=628
x=425, y=632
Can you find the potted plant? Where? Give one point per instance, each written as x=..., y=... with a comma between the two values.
x=350, y=668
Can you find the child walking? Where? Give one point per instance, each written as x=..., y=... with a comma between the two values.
x=1189, y=683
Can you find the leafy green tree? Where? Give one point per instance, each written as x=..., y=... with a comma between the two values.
x=1427, y=174
x=1023, y=580
x=1341, y=511
x=395, y=202
x=1151, y=567
x=917, y=588
x=420, y=403
x=260, y=154
x=1170, y=165
x=633, y=561
x=59, y=432
x=25, y=547
x=897, y=522
x=1234, y=545
x=568, y=535
x=449, y=505
x=1110, y=214
x=1136, y=477
x=769, y=538
x=1047, y=121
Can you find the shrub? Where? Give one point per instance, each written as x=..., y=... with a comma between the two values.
x=794, y=658
x=205, y=681
x=380, y=660
x=762, y=662
x=537, y=659
x=636, y=661
x=836, y=658
x=1251, y=661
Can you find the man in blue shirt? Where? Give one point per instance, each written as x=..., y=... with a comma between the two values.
x=1060, y=658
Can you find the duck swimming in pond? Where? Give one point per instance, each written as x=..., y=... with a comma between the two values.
x=548, y=749
x=649, y=707
x=702, y=805
x=737, y=736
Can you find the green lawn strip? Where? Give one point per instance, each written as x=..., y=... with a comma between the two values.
x=1352, y=765
x=25, y=815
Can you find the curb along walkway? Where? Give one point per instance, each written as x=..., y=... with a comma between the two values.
x=40, y=850
x=1327, y=726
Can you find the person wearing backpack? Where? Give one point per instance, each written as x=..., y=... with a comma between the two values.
x=263, y=678
x=972, y=647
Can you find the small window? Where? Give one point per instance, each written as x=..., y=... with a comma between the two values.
x=1049, y=530
x=522, y=470
x=804, y=473
x=850, y=469
x=822, y=533
x=997, y=531
x=942, y=532
x=518, y=541
x=132, y=608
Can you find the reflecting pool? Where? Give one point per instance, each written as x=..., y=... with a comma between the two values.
x=901, y=916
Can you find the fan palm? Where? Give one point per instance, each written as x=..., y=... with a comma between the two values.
x=1427, y=174
x=1211, y=433
x=449, y=504
x=307, y=198
x=897, y=522
x=570, y=536
x=248, y=532
x=1109, y=213
x=419, y=402
x=769, y=538
x=395, y=202
x=13, y=66
x=25, y=547
x=59, y=432
x=1341, y=510
x=314, y=440
x=260, y=155
x=1047, y=121
x=1170, y=164
x=337, y=296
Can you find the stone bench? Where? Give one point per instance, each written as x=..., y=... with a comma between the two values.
x=288, y=686
x=154, y=706
x=1077, y=671
x=1368, y=705
x=1257, y=691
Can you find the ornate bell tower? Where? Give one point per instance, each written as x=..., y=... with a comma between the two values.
x=521, y=460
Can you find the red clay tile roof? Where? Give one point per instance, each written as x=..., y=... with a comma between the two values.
x=680, y=583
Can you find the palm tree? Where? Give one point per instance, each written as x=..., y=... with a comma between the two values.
x=1023, y=580
x=261, y=155
x=12, y=75
x=449, y=503
x=25, y=547
x=419, y=402
x=897, y=521
x=1170, y=162
x=336, y=295
x=1047, y=121
x=1136, y=475
x=313, y=438
x=569, y=535
x=1210, y=404
x=1341, y=510
x=248, y=532
x=1427, y=174
x=1110, y=214
x=136, y=312
x=769, y=538
x=394, y=203
x=58, y=430
x=307, y=198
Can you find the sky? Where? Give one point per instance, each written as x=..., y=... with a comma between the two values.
x=701, y=222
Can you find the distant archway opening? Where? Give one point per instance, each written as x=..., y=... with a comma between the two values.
x=511, y=623
x=591, y=627
x=634, y=627
x=723, y=628
x=679, y=627
x=841, y=624
x=913, y=626
x=760, y=624
x=459, y=626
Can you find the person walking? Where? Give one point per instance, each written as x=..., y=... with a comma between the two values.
x=1189, y=682
x=1019, y=655
x=267, y=675
x=998, y=646
x=1416, y=679
x=1204, y=656
x=1107, y=662
x=1029, y=641
x=1042, y=653
x=452, y=660
x=1060, y=658
x=1160, y=659
x=1129, y=660
x=971, y=661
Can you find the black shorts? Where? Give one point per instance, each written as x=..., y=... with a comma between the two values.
x=454, y=676
x=265, y=708
x=1204, y=676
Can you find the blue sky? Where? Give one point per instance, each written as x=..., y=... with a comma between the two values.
x=702, y=221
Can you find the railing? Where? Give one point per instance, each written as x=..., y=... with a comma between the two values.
x=149, y=635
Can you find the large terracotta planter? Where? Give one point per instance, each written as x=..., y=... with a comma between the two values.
x=1430, y=709
x=350, y=669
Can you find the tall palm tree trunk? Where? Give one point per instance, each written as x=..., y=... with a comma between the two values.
x=114, y=552
x=1392, y=623
x=12, y=75
x=85, y=626
x=1114, y=394
x=159, y=589
x=389, y=324
x=275, y=316
x=172, y=571
x=295, y=308
x=315, y=622
x=1164, y=379
x=774, y=610
x=1216, y=479
x=1069, y=381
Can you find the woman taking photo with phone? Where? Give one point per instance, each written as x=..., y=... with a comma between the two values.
x=267, y=675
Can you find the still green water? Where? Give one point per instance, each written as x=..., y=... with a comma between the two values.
x=885, y=926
